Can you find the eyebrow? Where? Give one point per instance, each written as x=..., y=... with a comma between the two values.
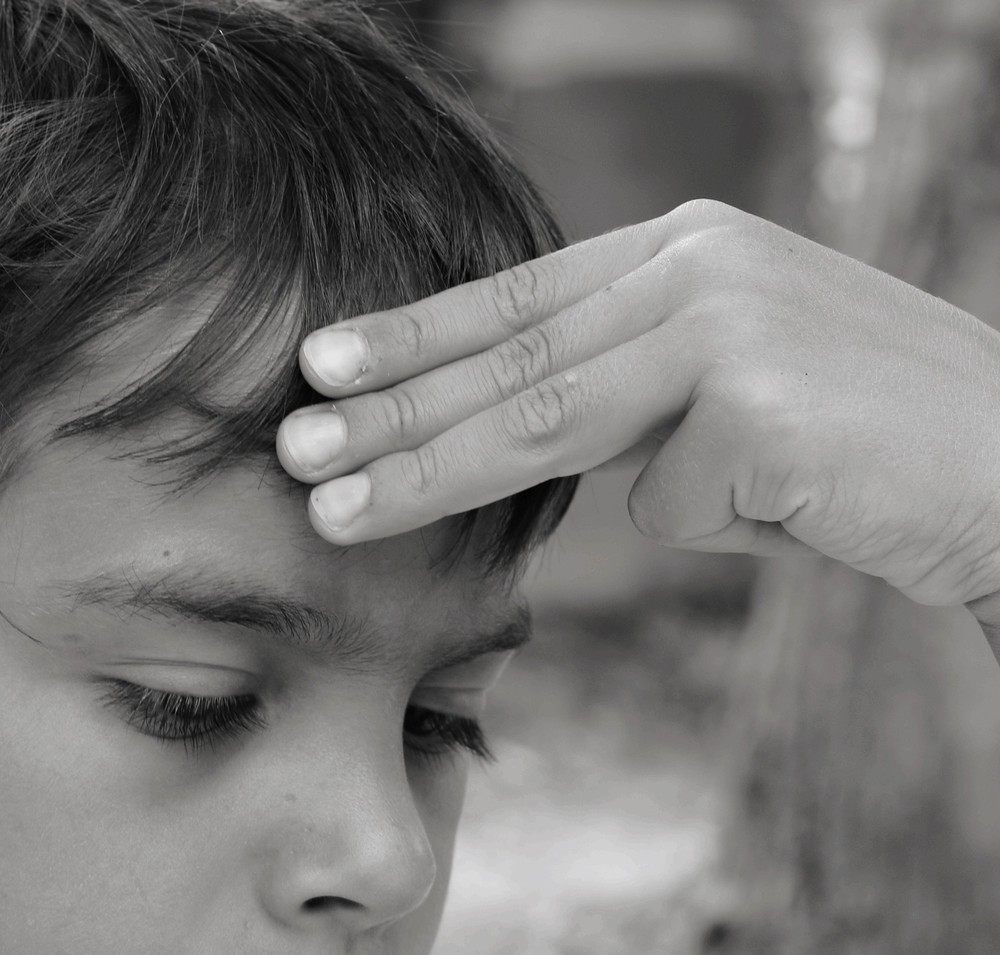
x=207, y=598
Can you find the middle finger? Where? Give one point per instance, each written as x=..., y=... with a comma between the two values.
x=322, y=441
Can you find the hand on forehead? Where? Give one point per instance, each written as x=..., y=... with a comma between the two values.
x=766, y=378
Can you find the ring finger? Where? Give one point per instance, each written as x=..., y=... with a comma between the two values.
x=322, y=441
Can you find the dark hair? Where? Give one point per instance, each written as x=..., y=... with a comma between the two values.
x=294, y=151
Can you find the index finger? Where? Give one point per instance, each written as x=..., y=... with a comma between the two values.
x=374, y=351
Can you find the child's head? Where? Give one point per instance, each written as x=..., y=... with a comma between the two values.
x=218, y=732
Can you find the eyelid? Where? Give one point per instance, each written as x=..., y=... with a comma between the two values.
x=186, y=678
x=456, y=702
x=197, y=722
x=479, y=674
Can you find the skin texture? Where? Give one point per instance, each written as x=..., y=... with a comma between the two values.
x=786, y=400
x=322, y=830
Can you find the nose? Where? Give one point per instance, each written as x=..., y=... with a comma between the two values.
x=353, y=855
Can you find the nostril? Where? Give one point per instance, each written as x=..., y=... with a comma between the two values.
x=329, y=903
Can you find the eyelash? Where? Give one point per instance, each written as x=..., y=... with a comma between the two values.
x=200, y=722
x=441, y=734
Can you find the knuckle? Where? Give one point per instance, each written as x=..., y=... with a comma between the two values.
x=399, y=412
x=421, y=470
x=751, y=402
x=519, y=362
x=517, y=294
x=412, y=334
x=708, y=243
x=704, y=212
x=543, y=416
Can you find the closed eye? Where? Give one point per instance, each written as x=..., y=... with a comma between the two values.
x=433, y=733
x=193, y=721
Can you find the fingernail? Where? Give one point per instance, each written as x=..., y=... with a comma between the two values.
x=341, y=501
x=313, y=440
x=337, y=355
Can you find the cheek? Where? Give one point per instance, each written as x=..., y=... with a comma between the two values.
x=439, y=794
x=438, y=791
x=111, y=843
x=77, y=841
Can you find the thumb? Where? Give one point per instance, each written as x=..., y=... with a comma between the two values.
x=685, y=497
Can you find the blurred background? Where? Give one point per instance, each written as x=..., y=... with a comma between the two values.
x=701, y=753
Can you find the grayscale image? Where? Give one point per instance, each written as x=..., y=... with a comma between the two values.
x=499, y=477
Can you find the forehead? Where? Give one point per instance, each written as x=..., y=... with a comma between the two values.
x=81, y=508
x=76, y=515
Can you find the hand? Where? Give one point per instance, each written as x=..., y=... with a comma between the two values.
x=799, y=400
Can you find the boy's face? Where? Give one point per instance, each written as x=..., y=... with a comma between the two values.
x=292, y=811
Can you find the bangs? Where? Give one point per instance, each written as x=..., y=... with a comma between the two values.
x=293, y=157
